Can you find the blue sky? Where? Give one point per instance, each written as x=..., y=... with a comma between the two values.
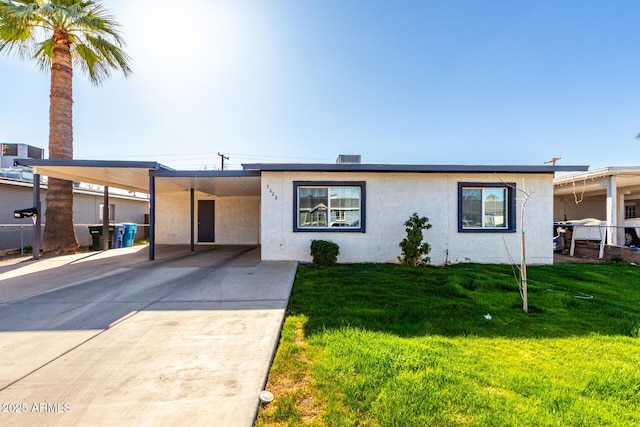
x=429, y=82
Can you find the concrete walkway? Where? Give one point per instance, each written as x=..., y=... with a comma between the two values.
x=112, y=339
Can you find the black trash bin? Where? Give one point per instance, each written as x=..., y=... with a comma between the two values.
x=96, y=236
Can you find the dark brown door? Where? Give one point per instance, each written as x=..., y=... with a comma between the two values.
x=206, y=220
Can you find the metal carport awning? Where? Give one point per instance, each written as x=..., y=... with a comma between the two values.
x=127, y=175
x=146, y=177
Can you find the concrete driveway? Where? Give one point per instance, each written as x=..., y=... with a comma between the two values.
x=112, y=339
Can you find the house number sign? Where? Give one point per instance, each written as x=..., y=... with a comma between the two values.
x=273, y=193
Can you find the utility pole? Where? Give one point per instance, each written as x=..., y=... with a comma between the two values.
x=553, y=161
x=222, y=159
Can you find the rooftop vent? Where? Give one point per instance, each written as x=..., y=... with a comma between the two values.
x=348, y=159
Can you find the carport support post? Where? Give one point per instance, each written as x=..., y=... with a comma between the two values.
x=152, y=216
x=36, y=203
x=193, y=225
x=105, y=219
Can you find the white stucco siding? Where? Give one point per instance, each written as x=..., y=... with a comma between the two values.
x=390, y=199
x=538, y=226
x=237, y=219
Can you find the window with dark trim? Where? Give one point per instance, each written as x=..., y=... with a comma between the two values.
x=486, y=207
x=329, y=206
x=112, y=212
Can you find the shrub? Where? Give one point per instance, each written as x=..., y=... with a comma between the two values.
x=414, y=251
x=324, y=252
x=616, y=258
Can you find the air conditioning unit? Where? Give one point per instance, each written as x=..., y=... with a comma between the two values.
x=348, y=159
x=10, y=152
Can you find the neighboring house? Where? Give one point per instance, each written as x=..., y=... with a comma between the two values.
x=610, y=194
x=16, y=192
x=475, y=211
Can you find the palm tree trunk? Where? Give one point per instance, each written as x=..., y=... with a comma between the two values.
x=59, y=236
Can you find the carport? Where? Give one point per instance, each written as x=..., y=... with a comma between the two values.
x=610, y=194
x=159, y=182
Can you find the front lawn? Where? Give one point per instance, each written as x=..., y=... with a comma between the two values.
x=388, y=345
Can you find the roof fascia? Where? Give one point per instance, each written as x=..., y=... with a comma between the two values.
x=91, y=163
x=314, y=167
x=205, y=174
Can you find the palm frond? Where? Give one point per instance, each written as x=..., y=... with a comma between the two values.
x=43, y=55
x=17, y=25
x=98, y=57
x=98, y=20
x=27, y=28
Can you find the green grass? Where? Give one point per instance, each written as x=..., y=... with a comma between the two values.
x=388, y=345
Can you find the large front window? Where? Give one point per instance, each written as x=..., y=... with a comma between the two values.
x=486, y=207
x=329, y=206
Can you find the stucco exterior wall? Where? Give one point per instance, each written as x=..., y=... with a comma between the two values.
x=390, y=199
x=237, y=219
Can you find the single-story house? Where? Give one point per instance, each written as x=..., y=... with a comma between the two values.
x=475, y=211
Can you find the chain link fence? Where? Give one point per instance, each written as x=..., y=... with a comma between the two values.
x=16, y=236
x=615, y=236
x=20, y=236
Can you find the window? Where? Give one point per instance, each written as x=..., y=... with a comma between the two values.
x=329, y=206
x=486, y=207
x=629, y=210
x=112, y=212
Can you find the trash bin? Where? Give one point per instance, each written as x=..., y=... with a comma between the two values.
x=130, y=231
x=118, y=236
x=96, y=235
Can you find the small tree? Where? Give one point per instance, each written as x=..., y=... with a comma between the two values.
x=414, y=251
x=521, y=276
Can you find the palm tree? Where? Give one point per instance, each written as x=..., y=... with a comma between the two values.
x=58, y=35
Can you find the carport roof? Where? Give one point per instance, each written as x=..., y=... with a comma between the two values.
x=128, y=175
x=134, y=176
x=216, y=183
x=595, y=181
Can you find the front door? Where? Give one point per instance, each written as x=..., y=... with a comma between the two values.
x=206, y=220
